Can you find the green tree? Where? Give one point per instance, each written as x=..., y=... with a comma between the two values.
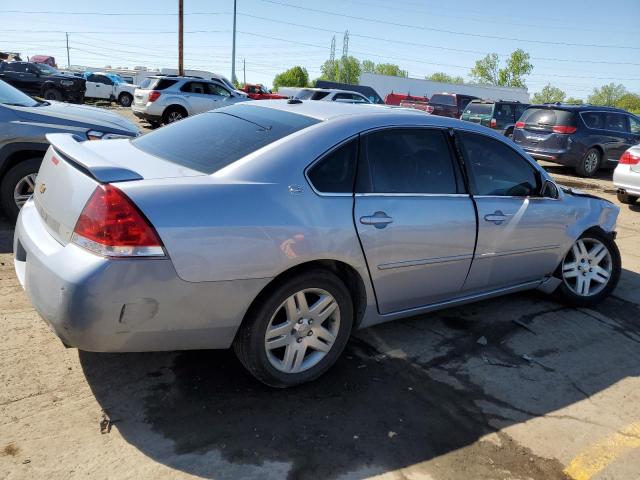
x=607, y=95
x=549, y=94
x=343, y=70
x=574, y=101
x=294, y=77
x=629, y=102
x=444, y=78
x=391, y=69
x=487, y=70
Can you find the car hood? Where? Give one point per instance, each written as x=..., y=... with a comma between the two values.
x=58, y=113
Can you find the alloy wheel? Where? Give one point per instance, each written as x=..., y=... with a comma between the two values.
x=588, y=267
x=24, y=189
x=591, y=162
x=174, y=117
x=302, y=331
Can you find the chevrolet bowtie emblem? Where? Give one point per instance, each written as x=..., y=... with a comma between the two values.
x=43, y=188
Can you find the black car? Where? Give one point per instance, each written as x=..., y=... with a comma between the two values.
x=585, y=137
x=449, y=104
x=43, y=81
x=500, y=115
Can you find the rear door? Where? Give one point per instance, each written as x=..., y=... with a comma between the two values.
x=416, y=224
x=520, y=233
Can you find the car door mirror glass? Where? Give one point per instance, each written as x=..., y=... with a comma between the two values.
x=549, y=190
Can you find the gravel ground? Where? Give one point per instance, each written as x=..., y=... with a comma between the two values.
x=518, y=387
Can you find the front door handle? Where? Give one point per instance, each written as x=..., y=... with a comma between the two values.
x=496, y=217
x=378, y=220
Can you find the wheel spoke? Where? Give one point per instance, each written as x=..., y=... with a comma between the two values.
x=570, y=273
x=582, y=248
x=21, y=199
x=301, y=300
x=601, y=255
x=278, y=331
x=289, y=357
x=601, y=275
x=323, y=308
x=292, y=309
x=576, y=251
x=596, y=250
x=580, y=284
x=300, y=352
x=317, y=344
x=324, y=334
x=30, y=181
x=278, y=342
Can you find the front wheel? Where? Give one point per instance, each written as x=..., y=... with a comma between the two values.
x=297, y=332
x=590, y=270
x=52, y=94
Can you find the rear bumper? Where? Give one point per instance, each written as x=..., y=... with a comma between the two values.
x=626, y=179
x=123, y=305
x=561, y=157
x=142, y=113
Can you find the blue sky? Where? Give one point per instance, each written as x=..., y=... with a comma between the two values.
x=273, y=35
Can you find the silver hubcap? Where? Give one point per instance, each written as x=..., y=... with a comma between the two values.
x=174, y=117
x=587, y=268
x=24, y=189
x=591, y=162
x=302, y=330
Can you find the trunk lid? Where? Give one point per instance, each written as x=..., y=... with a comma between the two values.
x=538, y=130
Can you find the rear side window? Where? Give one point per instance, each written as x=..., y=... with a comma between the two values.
x=156, y=83
x=504, y=111
x=443, y=99
x=548, y=117
x=616, y=122
x=497, y=169
x=479, y=108
x=318, y=95
x=335, y=173
x=407, y=161
x=210, y=141
x=593, y=119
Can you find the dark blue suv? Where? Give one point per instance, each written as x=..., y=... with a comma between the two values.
x=585, y=137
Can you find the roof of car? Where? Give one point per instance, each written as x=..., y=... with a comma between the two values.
x=577, y=108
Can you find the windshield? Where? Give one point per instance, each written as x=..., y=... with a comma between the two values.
x=46, y=69
x=13, y=96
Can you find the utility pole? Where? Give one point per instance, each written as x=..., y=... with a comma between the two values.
x=244, y=71
x=233, y=48
x=180, y=37
x=68, y=56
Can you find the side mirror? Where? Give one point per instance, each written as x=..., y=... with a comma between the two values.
x=549, y=190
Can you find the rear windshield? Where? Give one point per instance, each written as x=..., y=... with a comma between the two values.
x=156, y=83
x=210, y=141
x=443, y=99
x=479, y=109
x=547, y=117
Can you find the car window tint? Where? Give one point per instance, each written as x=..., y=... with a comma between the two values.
x=16, y=67
x=318, y=95
x=336, y=171
x=479, y=108
x=616, y=122
x=497, y=169
x=210, y=141
x=505, y=111
x=519, y=110
x=634, y=125
x=409, y=161
x=214, y=89
x=547, y=117
x=593, y=119
x=443, y=99
x=92, y=78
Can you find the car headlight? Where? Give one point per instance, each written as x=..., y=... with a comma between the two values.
x=67, y=83
x=98, y=135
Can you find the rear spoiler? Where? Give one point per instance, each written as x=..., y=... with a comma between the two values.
x=72, y=149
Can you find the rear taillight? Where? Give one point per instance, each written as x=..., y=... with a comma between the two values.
x=493, y=123
x=564, y=129
x=519, y=124
x=111, y=225
x=629, y=158
x=153, y=96
x=430, y=109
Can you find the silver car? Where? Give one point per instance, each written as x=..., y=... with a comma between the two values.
x=626, y=176
x=279, y=227
x=167, y=99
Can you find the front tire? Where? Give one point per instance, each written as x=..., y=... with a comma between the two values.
x=590, y=163
x=52, y=94
x=125, y=99
x=590, y=270
x=627, y=199
x=297, y=331
x=18, y=185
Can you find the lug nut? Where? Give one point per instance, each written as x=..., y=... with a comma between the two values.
x=310, y=333
x=310, y=321
x=300, y=321
x=300, y=340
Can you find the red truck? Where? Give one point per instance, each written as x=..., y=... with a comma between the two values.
x=258, y=92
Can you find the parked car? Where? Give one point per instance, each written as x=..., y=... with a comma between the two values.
x=241, y=227
x=626, y=176
x=449, y=104
x=24, y=122
x=109, y=86
x=331, y=95
x=43, y=81
x=259, y=92
x=500, y=115
x=585, y=137
x=414, y=103
x=397, y=98
x=167, y=99
x=365, y=90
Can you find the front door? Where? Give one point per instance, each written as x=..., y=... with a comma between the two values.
x=99, y=86
x=416, y=224
x=521, y=235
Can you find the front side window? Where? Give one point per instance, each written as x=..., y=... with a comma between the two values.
x=335, y=172
x=634, y=125
x=407, y=161
x=496, y=168
x=214, y=89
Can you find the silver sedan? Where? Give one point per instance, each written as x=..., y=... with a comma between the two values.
x=279, y=228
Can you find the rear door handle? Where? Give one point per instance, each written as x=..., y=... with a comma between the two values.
x=378, y=220
x=496, y=217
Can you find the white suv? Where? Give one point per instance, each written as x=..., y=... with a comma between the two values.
x=109, y=86
x=331, y=95
x=167, y=99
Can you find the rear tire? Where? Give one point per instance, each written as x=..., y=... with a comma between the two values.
x=125, y=99
x=15, y=182
x=590, y=270
x=509, y=133
x=589, y=163
x=283, y=343
x=627, y=199
x=52, y=94
x=173, y=114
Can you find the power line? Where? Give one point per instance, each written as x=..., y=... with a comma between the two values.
x=440, y=30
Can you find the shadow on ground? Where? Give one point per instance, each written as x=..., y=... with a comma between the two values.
x=403, y=393
x=6, y=235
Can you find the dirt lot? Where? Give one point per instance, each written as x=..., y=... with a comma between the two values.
x=514, y=388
